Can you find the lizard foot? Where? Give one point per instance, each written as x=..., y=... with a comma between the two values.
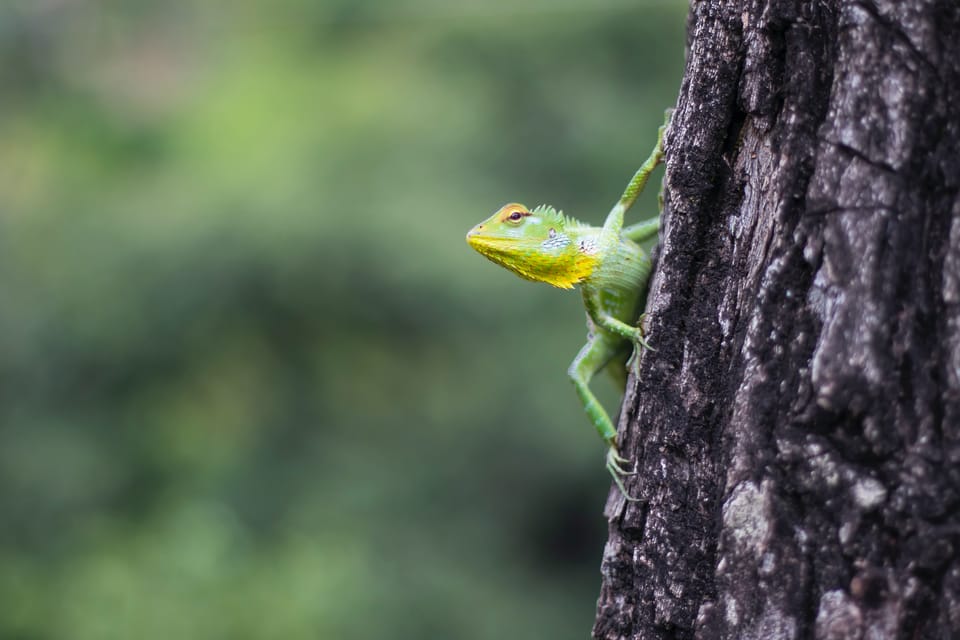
x=639, y=337
x=633, y=363
x=614, y=462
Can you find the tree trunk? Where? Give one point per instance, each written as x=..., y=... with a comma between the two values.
x=797, y=430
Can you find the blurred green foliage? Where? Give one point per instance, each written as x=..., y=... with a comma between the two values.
x=253, y=382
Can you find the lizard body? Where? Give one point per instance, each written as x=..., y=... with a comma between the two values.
x=607, y=263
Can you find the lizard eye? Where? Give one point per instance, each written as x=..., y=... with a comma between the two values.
x=515, y=216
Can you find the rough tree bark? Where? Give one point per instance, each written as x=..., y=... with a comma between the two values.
x=797, y=429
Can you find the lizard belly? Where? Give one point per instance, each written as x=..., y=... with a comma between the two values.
x=620, y=282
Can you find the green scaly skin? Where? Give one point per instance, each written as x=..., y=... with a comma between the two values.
x=613, y=273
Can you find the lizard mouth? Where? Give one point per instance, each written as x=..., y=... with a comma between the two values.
x=484, y=243
x=476, y=238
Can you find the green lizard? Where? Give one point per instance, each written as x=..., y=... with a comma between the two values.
x=613, y=273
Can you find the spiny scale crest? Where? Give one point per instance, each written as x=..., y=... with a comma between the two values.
x=556, y=216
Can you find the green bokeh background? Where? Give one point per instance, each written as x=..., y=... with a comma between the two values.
x=253, y=383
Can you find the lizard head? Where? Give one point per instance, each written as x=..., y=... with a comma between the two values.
x=536, y=245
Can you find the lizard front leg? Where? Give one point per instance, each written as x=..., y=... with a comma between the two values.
x=608, y=323
x=594, y=355
x=643, y=231
x=614, y=222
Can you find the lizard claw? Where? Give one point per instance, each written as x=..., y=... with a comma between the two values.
x=633, y=363
x=614, y=462
x=639, y=337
